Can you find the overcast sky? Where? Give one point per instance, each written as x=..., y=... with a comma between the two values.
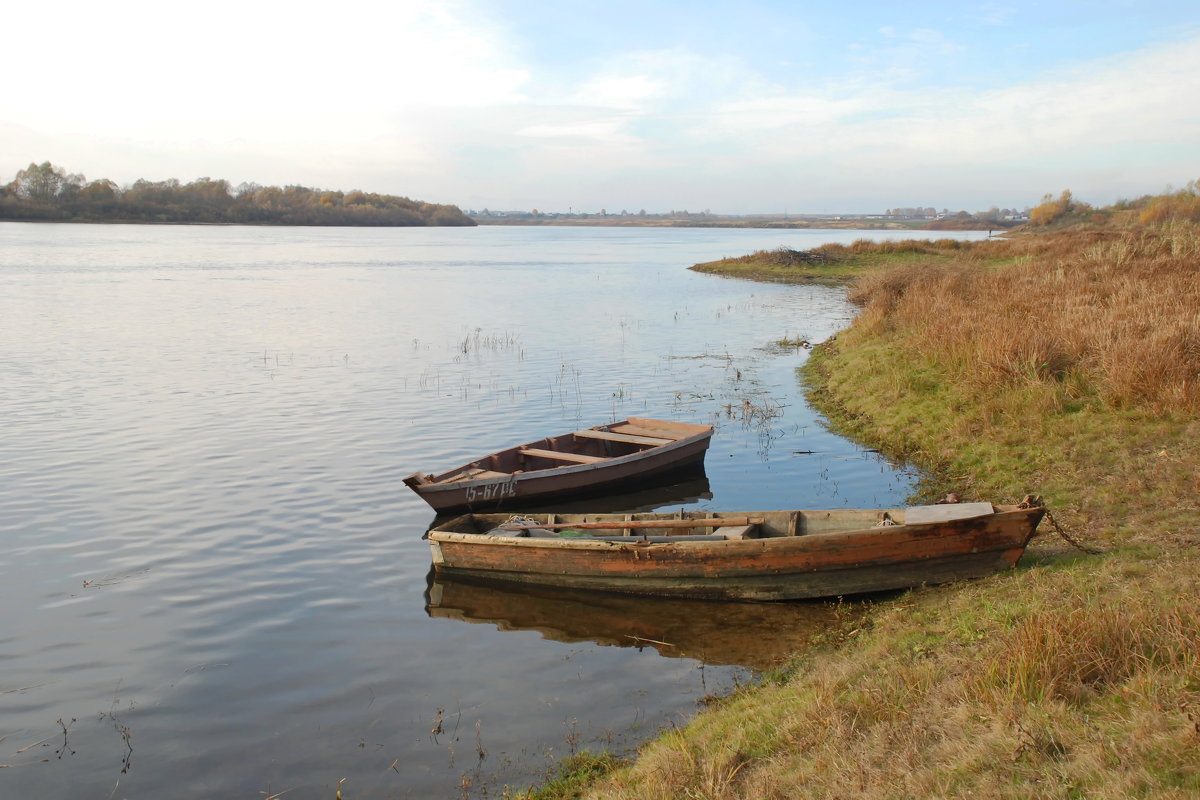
x=513, y=104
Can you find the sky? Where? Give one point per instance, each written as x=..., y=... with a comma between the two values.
x=734, y=108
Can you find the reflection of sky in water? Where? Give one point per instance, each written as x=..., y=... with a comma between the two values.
x=200, y=488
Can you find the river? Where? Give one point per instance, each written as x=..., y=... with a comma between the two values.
x=212, y=576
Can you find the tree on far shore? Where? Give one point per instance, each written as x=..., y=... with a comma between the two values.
x=46, y=192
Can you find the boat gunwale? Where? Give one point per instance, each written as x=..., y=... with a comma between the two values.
x=816, y=539
x=449, y=484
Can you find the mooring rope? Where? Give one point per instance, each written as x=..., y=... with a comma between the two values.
x=1032, y=501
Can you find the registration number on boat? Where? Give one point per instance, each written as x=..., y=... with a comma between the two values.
x=492, y=491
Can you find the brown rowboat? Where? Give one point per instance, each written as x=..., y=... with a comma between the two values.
x=758, y=555
x=590, y=461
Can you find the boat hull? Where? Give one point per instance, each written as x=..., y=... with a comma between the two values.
x=819, y=564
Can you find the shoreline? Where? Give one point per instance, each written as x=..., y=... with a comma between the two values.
x=830, y=223
x=1019, y=684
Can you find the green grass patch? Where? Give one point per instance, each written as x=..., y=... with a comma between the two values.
x=572, y=778
x=830, y=263
x=838, y=263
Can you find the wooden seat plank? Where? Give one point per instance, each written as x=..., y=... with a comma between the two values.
x=946, y=512
x=737, y=532
x=657, y=433
x=576, y=458
x=609, y=436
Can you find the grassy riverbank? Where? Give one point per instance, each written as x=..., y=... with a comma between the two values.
x=830, y=262
x=1065, y=363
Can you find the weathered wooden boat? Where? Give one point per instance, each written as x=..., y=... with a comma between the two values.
x=572, y=464
x=757, y=555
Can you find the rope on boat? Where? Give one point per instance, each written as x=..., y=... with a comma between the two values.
x=1033, y=501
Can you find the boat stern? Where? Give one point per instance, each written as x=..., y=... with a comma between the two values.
x=435, y=550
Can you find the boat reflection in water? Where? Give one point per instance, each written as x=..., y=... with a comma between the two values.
x=754, y=635
x=679, y=489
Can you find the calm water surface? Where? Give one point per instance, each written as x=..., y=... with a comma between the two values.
x=212, y=576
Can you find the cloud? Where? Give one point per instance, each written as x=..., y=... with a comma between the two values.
x=1141, y=99
x=255, y=67
x=438, y=101
x=994, y=15
x=1117, y=106
x=598, y=130
x=922, y=39
x=855, y=138
x=619, y=91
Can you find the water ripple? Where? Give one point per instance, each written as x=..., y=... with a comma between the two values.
x=207, y=538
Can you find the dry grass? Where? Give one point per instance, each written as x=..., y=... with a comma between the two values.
x=1048, y=683
x=1181, y=206
x=1066, y=363
x=1118, y=317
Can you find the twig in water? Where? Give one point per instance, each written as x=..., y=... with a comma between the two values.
x=202, y=667
x=23, y=689
x=66, y=748
x=30, y=747
x=437, y=728
x=110, y=580
x=127, y=735
x=651, y=641
x=572, y=734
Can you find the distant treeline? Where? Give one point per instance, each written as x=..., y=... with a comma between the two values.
x=44, y=192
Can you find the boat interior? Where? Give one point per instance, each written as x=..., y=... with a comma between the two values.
x=681, y=526
x=570, y=449
x=705, y=525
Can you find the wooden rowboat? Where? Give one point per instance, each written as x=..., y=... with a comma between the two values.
x=580, y=462
x=757, y=555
